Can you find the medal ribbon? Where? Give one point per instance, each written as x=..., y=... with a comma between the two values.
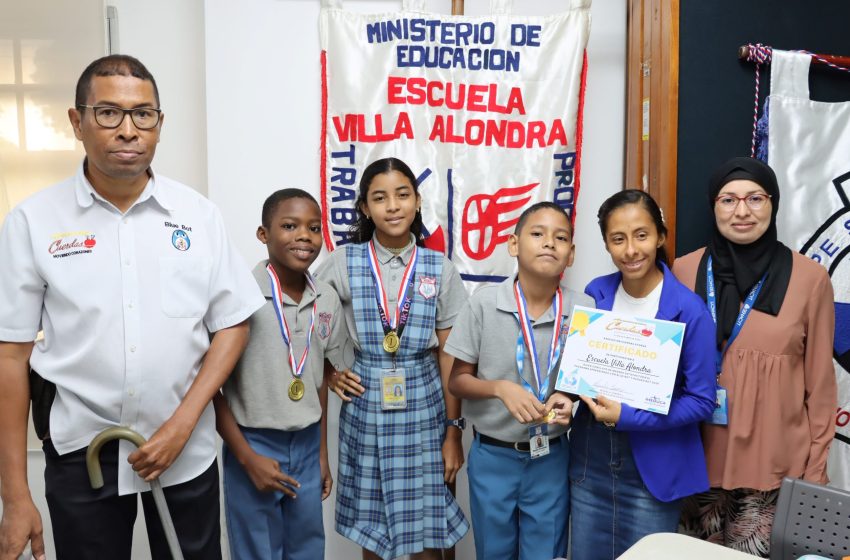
x=401, y=313
x=711, y=296
x=277, y=301
x=526, y=340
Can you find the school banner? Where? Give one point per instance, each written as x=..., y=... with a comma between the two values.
x=485, y=110
x=809, y=148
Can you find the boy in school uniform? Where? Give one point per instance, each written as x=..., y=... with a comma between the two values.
x=272, y=413
x=507, y=345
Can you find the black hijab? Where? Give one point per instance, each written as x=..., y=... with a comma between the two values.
x=737, y=268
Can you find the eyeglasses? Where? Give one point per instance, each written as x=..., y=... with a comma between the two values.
x=729, y=202
x=144, y=118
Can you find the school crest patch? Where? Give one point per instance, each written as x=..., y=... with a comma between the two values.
x=427, y=287
x=180, y=240
x=324, y=326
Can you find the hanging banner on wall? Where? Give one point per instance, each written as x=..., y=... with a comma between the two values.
x=809, y=148
x=486, y=111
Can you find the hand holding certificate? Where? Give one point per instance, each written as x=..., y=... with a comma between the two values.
x=629, y=359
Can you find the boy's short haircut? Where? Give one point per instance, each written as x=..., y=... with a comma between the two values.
x=274, y=199
x=536, y=207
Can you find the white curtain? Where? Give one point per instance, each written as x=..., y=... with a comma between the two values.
x=44, y=46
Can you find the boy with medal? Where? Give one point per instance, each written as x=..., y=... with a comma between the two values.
x=272, y=413
x=507, y=344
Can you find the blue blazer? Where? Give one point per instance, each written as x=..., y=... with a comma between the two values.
x=668, y=449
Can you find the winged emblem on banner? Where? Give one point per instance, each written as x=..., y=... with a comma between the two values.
x=489, y=219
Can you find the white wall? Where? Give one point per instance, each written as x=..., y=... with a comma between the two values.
x=263, y=97
x=168, y=37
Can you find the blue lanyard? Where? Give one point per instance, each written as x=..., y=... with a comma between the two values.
x=711, y=296
x=526, y=339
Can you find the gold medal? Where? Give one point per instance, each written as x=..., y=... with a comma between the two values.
x=391, y=342
x=296, y=389
x=551, y=416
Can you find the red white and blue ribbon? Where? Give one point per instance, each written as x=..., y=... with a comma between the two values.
x=526, y=340
x=405, y=292
x=277, y=301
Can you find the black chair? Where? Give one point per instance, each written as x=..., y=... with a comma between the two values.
x=810, y=519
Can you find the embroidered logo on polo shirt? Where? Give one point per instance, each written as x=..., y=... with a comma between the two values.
x=180, y=240
x=69, y=243
x=324, y=326
x=180, y=236
x=427, y=287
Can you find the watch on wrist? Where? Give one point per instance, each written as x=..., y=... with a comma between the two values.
x=459, y=423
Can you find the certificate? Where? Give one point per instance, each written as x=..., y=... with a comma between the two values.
x=628, y=359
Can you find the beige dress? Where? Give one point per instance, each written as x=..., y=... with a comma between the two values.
x=781, y=387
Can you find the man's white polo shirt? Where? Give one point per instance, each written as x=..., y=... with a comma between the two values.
x=126, y=303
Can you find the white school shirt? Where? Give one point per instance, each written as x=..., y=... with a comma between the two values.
x=127, y=304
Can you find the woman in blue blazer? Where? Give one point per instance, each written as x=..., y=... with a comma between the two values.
x=629, y=468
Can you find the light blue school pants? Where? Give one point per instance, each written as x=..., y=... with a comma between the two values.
x=520, y=506
x=271, y=526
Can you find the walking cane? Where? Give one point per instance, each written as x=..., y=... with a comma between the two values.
x=96, y=478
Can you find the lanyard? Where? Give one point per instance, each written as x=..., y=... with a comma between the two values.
x=277, y=301
x=526, y=340
x=711, y=296
x=398, y=319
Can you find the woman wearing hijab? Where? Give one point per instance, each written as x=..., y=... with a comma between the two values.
x=776, y=389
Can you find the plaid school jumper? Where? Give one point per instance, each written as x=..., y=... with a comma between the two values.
x=391, y=497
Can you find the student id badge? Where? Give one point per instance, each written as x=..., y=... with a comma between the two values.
x=538, y=440
x=720, y=416
x=393, y=393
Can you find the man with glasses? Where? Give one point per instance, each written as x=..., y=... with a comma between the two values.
x=143, y=304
